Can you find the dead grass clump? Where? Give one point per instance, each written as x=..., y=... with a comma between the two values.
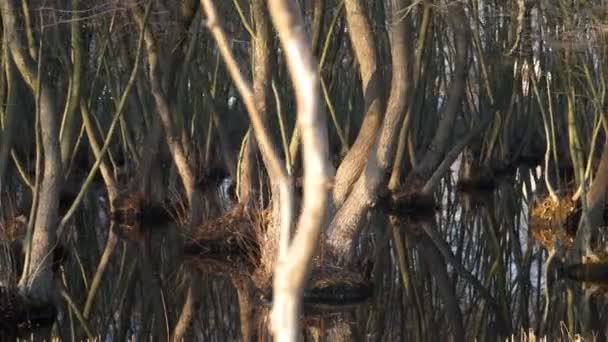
x=263, y=220
x=218, y=265
x=18, y=315
x=553, y=220
x=135, y=215
x=13, y=228
x=226, y=245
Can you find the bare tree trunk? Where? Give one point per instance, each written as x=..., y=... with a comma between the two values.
x=179, y=158
x=273, y=163
x=162, y=105
x=37, y=279
x=70, y=118
x=247, y=171
x=262, y=53
x=364, y=46
x=347, y=221
x=439, y=144
x=596, y=204
x=295, y=258
x=282, y=187
x=12, y=90
x=438, y=269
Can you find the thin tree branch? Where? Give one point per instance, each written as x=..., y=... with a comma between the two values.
x=294, y=263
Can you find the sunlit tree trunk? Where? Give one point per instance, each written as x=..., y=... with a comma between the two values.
x=346, y=223
x=364, y=48
x=37, y=280
x=295, y=255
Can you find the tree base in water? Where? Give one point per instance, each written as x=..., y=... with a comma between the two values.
x=20, y=316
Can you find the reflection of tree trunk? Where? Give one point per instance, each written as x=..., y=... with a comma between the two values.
x=127, y=304
x=153, y=296
x=178, y=151
x=438, y=269
x=189, y=309
x=364, y=46
x=596, y=206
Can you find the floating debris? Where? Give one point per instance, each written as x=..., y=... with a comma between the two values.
x=13, y=228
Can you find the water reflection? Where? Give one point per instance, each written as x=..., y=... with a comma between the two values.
x=468, y=262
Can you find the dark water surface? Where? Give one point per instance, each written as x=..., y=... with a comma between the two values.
x=483, y=273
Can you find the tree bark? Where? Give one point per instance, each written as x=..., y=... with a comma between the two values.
x=441, y=140
x=364, y=46
x=596, y=206
x=347, y=221
x=295, y=257
x=281, y=181
x=179, y=158
x=70, y=117
x=262, y=53
x=37, y=279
